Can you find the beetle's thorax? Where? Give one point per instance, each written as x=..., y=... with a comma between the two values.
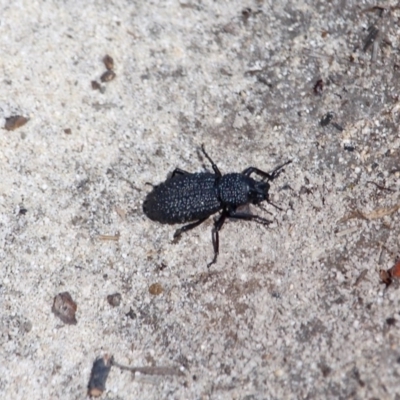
x=233, y=189
x=236, y=189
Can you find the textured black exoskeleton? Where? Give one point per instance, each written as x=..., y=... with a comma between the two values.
x=187, y=197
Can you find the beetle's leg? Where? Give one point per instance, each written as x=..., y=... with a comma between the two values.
x=178, y=171
x=215, y=236
x=188, y=227
x=268, y=175
x=214, y=166
x=249, y=217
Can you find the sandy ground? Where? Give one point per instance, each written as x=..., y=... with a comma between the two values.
x=295, y=310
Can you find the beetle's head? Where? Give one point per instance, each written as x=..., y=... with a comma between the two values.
x=258, y=192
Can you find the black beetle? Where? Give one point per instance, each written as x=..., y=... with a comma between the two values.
x=187, y=197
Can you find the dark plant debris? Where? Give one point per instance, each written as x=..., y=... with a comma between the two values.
x=98, y=377
x=114, y=299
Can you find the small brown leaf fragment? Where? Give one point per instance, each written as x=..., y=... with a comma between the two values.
x=108, y=76
x=387, y=276
x=114, y=299
x=98, y=377
x=108, y=62
x=155, y=289
x=65, y=308
x=67, y=131
x=15, y=122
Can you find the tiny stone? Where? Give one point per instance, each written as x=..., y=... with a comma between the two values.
x=155, y=289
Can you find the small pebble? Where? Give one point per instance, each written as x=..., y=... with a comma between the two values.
x=155, y=289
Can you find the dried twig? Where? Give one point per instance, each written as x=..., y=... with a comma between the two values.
x=102, y=366
x=380, y=186
x=375, y=214
x=163, y=371
x=113, y=238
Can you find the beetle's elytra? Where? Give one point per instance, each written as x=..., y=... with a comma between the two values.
x=187, y=197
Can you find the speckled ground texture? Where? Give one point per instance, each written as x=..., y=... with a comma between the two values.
x=295, y=310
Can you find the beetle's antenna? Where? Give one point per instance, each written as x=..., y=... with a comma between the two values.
x=277, y=171
x=264, y=209
x=272, y=204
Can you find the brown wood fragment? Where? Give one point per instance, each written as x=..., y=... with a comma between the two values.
x=65, y=308
x=15, y=122
x=108, y=62
x=108, y=76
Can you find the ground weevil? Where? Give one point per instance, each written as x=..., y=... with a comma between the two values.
x=187, y=197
